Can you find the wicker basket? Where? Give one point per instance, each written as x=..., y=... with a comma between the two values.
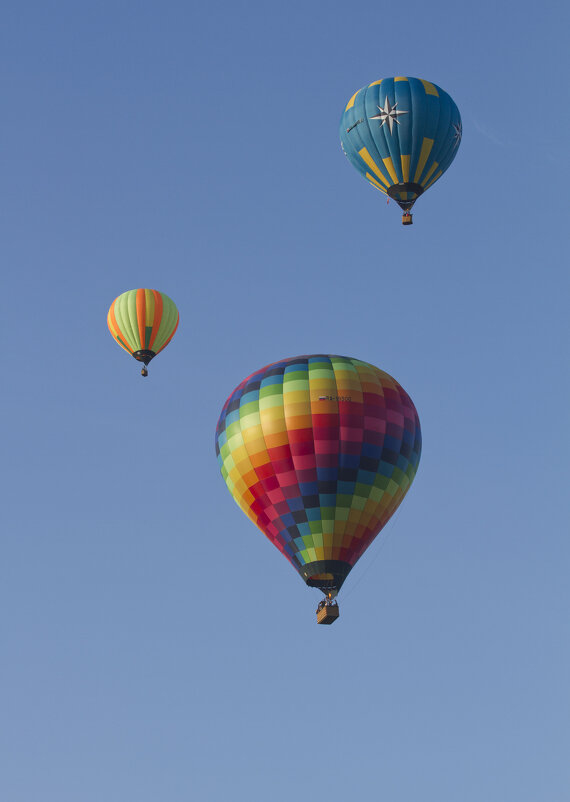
x=327, y=614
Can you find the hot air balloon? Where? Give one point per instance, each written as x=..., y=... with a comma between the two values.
x=143, y=322
x=319, y=452
x=401, y=134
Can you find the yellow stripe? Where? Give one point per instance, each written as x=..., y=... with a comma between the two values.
x=375, y=182
x=375, y=83
x=367, y=158
x=430, y=88
x=350, y=103
x=388, y=163
x=149, y=298
x=427, y=145
x=405, y=168
x=401, y=78
x=434, y=179
x=434, y=166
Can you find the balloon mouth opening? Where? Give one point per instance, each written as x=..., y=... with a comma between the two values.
x=321, y=577
x=144, y=356
x=326, y=575
x=406, y=194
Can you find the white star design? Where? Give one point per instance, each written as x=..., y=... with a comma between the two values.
x=388, y=114
x=458, y=133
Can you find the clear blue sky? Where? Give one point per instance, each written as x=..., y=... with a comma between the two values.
x=154, y=645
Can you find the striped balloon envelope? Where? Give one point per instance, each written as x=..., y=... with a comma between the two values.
x=143, y=322
x=401, y=134
x=319, y=452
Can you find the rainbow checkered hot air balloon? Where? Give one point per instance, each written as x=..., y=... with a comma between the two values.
x=319, y=452
x=401, y=134
x=143, y=322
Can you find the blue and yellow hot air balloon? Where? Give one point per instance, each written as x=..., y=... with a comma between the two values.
x=401, y=134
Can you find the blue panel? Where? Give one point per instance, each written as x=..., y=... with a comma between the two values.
x=304, y=528
x=371, y=450
x=247, y=398
x=327, y=474
x=393, y=443
x=314, y=513
x=366, y=477
x=295, y=504
x=349, y=460
x=328, y=499
x=385, y=469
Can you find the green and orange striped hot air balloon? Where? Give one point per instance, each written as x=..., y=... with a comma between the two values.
x=143, y=322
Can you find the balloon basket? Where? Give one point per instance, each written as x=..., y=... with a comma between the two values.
x=327, y=614
x=407, y=219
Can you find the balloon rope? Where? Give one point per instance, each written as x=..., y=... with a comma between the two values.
x=383, y=540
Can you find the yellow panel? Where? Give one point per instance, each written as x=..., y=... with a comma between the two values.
x=240, y=487
x=345, y=383
x=255, y=445
x=427, y=145
x=270, y=402
x=367, y=158
x=272, y=420
x=234, y=442
x=295, y=396
x=401, y=78
x=430, y=88
x=429, y=172
x=318, y=382
x=405, y=168
x=375, y=182
x=375, y=83
x=252, y=433
x=149, y=302
x=389, y=165
x=434, y=179
x=247, y=421
x=350, y=103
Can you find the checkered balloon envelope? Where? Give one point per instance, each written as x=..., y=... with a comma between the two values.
x=319, y=452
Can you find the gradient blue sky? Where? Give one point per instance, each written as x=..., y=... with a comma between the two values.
x=154, y=645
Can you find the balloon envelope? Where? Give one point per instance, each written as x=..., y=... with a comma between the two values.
x=401, y=134
x=143, y=322
x=319, y=451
